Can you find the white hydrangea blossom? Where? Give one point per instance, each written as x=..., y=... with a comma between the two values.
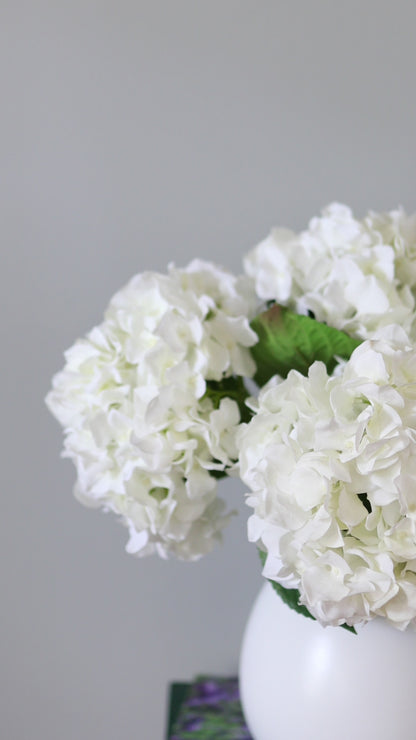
x=356, y=275
x=331, y=465
x=139, y=426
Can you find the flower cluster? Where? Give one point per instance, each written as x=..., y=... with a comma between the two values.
x=356, y=275
x=153, y=404
x=140, y=399
x=331, y=465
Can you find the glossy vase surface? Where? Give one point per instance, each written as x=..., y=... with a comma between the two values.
x=301, y=681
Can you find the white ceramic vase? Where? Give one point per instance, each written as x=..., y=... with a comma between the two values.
x=300, y=681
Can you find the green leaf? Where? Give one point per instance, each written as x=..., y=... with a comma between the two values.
x=159, y=494
x=291, y=597
x=365, y=501
x=233, y=388
x=290, y=341
x=218, y=474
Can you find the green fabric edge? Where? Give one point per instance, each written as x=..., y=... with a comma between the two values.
x=177, y=694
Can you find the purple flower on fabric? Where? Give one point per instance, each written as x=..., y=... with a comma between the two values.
x=212, y=709
x=193, y=724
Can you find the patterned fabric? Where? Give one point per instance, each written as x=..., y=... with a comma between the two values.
x=206, y=709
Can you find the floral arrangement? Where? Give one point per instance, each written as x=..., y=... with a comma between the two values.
x=156, y=408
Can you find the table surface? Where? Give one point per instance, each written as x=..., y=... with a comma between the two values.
x=207, y=708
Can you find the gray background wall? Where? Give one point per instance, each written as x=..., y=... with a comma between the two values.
x=132, y=134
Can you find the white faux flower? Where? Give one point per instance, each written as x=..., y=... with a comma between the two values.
x=331, y=465
x=356, y=275
x=140, y=426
